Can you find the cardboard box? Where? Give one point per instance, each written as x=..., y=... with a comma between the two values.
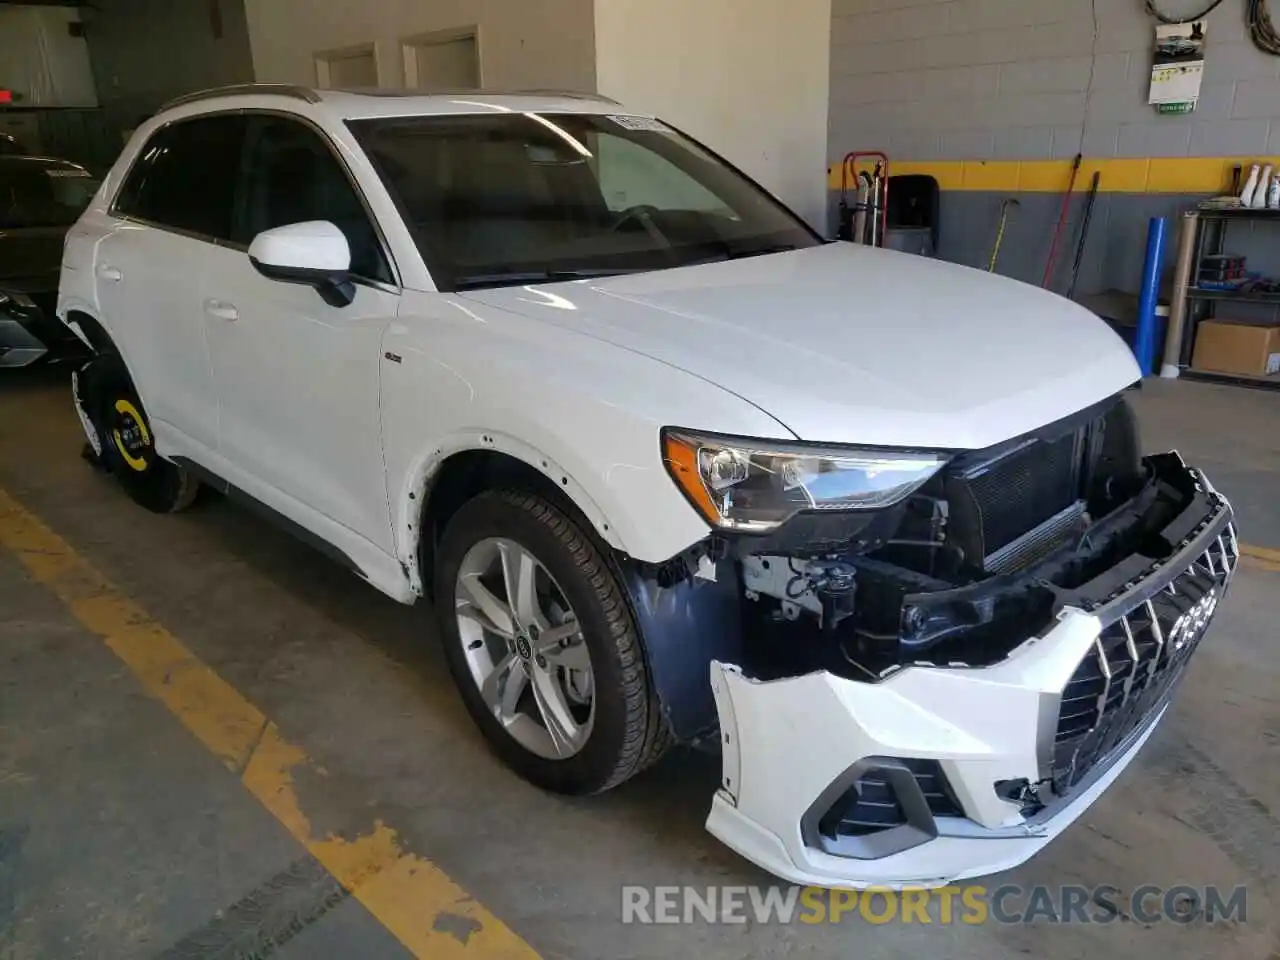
x=1226, y=347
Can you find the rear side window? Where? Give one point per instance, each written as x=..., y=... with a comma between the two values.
x=185, y=176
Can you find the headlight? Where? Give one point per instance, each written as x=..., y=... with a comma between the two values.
x=755, y=485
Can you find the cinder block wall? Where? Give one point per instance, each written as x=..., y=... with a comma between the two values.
x=758, y=67
x=993, y=97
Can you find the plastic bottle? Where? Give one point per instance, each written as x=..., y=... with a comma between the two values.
x=1264, y=184
x=1273, y=194
x=1250, y=187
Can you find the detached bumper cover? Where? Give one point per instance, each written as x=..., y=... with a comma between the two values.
x=937, y=774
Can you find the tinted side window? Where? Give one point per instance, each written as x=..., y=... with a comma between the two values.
x=185, y=177
x=291, y=176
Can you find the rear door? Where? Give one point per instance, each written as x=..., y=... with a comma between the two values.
x=173, y=210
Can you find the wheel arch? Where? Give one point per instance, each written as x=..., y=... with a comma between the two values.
x=454, y=474
x=682, y=628
x=92, y=330
x=89, y=329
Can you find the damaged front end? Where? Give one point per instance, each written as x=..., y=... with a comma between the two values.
x=973, y=663
x=980, y=558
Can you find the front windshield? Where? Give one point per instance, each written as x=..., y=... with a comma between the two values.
x=512, y=198
x=41, y=195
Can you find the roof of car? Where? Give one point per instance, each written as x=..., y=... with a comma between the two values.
x=369, y=103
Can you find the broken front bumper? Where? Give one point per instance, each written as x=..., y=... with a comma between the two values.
x=936, y=774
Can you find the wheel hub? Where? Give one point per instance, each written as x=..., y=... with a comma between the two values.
x=131, y=436
x=524, y=649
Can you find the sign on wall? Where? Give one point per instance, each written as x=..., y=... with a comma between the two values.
x=1177, y=67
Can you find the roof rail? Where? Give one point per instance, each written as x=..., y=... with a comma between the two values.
x=471, y=91
x=245, y=89
x=568, y=95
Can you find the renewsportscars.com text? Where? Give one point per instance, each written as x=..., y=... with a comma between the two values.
x=972, y=905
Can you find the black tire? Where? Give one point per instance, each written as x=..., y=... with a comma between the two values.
x=629, y=733
x=128, y=450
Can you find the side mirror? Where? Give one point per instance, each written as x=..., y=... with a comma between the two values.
x=315, y=253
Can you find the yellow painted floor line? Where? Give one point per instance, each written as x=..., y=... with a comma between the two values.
x=1257, y=563
x=410, y=896
x=1260, y=553
x=1260, y=558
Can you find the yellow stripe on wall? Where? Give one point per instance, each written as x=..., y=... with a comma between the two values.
x=1211, y=175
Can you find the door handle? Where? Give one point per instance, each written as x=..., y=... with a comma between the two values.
x=221, y=309
x=110, y=273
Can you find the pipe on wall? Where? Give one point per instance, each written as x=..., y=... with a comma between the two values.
x=1170, y=369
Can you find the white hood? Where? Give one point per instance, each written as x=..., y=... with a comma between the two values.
x=850, y=344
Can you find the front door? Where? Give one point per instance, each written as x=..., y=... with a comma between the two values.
x=298, y=380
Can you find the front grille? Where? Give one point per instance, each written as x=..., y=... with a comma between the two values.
x=995, y=503
x=872, y=804
x=1135, y=662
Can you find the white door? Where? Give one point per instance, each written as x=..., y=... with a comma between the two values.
x=298, y=380
x=172, y=212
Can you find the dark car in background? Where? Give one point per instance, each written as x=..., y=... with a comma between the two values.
x=40, y=199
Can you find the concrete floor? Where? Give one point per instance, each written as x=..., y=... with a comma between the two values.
x=122, y=836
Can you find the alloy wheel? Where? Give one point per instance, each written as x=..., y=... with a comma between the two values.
x=525, y=650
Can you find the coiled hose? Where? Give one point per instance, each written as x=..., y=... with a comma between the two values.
x=1165, y=18
x=1262, y=30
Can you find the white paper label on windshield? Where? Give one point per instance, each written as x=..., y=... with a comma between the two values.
x=641, y=123
x=65, y=173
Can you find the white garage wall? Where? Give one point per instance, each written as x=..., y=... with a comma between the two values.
x=523, y=43
x=749, y=78
x=41, y=62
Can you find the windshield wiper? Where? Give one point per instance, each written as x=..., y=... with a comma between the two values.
x=517, y=277
x=760, y=251
x=727, y=251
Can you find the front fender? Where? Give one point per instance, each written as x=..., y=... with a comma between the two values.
x=585, y=414
x=630, y=508
x=416, y=483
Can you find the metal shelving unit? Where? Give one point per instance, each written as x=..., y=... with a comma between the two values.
x=1238, y=297
x=1202, y=304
